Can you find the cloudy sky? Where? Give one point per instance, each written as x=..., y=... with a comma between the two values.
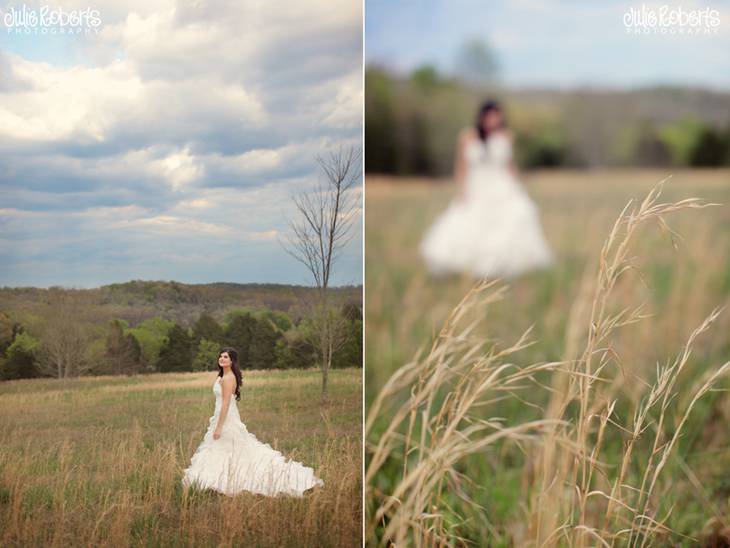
x=168, y=144
x=551, y=43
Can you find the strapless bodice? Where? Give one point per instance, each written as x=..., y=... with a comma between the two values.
x=495, y=152
x=218, y=391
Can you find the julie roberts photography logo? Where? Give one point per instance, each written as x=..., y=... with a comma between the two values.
x=45, y=19
x=671, y=20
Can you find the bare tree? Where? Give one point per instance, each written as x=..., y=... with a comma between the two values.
x=477, y=62
x=324, y=224
x=65, y=335
x=123, y=353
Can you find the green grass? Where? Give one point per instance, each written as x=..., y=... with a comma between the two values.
x=405, y=307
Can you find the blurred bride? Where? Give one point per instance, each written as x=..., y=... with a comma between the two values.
x=492, y=228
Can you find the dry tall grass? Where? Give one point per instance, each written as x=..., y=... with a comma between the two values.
x=98, y=461
x=440, y=409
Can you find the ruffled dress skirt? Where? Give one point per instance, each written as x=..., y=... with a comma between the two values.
x=238, y=462
x=493, y=231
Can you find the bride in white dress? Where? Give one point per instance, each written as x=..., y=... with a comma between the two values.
x=230, y=459
x=492, y=229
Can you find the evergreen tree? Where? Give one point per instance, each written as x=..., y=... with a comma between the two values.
x=239, y=335
x=134, y=351
x=7, y=332
x=261, y=353
x=711, y=149
x=20, y=361
x=178, y=351
x=207, y=328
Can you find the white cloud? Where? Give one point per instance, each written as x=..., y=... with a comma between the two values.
x=195, y=203
x=76, y=103
x=181, y=168
x=181, y=128
x=168, y=224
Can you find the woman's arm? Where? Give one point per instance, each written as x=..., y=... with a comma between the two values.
x=459, y=160
x=227, y=386
x=512, y=163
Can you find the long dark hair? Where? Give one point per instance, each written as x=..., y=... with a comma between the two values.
x=488, y=106
x=233, y=354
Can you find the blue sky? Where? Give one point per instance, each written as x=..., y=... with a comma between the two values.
x=168, y=145
x=555, y=44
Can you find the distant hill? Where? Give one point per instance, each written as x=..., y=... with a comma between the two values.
x=137, y=300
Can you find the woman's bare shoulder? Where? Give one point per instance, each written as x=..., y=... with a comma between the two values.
x=467, y=134
x=229, y=380
x=507, y=132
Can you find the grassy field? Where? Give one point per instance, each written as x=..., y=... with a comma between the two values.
x=406, y=308
x=98, y=461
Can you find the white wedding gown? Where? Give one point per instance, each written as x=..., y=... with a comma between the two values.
x=237, y=461
x=494, y=230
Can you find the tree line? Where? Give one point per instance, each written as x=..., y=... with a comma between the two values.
x=412, y=123
x=66, y=346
